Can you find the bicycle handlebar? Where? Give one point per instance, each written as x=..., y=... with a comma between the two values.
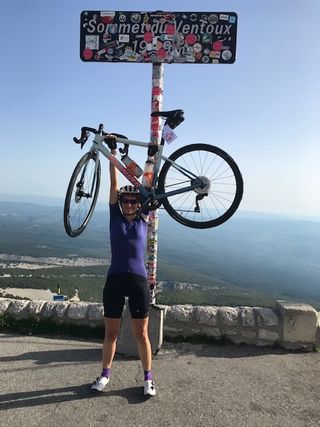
x=111, y=142
x=85, y=133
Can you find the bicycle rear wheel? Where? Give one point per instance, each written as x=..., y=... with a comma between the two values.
x=218, y=196
x=82, y=194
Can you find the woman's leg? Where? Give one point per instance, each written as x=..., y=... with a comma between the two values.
x=112, y=331
x=113, y=302
x=140, y=332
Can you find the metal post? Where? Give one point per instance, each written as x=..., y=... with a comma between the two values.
x=155, y=138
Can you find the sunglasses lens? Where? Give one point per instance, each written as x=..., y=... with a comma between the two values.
x=129, y=201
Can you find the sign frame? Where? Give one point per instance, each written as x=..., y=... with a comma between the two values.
x=158, y=37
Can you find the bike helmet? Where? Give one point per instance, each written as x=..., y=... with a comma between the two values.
x=129, y=189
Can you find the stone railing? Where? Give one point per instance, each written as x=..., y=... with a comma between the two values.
x=290, y=325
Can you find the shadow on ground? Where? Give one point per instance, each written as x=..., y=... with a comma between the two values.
x=92, y=355
x=66, y=394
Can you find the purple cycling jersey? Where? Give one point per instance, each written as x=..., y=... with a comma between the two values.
x=128, y=243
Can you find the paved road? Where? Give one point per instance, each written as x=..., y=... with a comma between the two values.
x=45, y=382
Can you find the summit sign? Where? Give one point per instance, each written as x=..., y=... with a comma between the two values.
x=158, y=37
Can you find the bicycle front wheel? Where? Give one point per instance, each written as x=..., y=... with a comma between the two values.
x=211, y=203
x=82, y=194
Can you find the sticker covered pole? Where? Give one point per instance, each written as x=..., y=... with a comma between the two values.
x=155, y=139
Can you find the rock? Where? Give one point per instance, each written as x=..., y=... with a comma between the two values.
x=265, y=334
x=247, y=316
x=266, y=317
x=35, y=307
x=206, y=315
x=18, y=309
x=4, y=304
x=48, y=309
x=95, y=312
x=229, y=315
x=299, y=322
x=78, y=311
x=181, y=313
x=61, y=309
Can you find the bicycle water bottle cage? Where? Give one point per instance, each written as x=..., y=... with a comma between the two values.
x=173, y=118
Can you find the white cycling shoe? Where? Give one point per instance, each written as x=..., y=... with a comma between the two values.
x=100, y=383
x=149, y=388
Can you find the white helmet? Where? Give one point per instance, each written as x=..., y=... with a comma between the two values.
x=129, y=189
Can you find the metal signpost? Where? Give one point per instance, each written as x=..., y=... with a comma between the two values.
x=158, y=38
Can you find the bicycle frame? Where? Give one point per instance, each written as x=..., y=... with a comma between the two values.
x=189, y=189
x=97, y=146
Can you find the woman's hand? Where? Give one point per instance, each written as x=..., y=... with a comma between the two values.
x=111, y=141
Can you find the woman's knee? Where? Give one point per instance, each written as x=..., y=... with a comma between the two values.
x=140, y=330
x=111, y=335
x=141, y=335
x=112, y=329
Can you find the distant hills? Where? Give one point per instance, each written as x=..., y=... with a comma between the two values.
x=259, y=253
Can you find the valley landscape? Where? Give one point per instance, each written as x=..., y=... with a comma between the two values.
x=252, y=259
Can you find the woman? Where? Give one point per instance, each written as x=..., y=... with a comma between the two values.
x=127, y=276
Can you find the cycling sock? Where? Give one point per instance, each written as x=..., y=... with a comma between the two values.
x=147, y=375
x=106, y=372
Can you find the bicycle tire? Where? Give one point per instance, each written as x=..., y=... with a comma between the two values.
x=75, y=195
x=169, y=177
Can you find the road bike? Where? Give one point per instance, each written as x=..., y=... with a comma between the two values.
x=199, y=185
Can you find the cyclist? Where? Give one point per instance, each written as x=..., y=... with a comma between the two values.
x=127, y=276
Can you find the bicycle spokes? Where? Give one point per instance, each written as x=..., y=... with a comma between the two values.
x=208, y=199
x=82, y=194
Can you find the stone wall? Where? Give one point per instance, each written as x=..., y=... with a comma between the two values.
x=290, y=325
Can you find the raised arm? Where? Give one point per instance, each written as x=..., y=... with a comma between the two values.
x=113, y=183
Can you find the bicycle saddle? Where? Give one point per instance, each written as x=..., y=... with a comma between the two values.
x=174, y=117
x=171, y=113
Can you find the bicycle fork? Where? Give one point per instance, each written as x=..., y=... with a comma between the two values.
x=80, y=184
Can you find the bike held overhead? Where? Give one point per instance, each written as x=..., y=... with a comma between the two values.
x=199, y=185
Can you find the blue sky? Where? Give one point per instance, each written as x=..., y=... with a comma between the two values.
x=263, y=109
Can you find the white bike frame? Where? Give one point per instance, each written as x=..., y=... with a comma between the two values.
x=98, y=146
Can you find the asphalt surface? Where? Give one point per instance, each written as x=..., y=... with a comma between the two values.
x=46, y=382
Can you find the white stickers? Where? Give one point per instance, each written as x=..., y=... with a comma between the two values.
x=168, y=134
x=124, y=38
x=107, y=14
x=226, y=55
x=92, y=42
x=224, y=17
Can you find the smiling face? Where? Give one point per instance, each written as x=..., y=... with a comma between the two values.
x=129, y=204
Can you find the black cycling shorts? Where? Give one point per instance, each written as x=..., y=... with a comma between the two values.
x=121, y=285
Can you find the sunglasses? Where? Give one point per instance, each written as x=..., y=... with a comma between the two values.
x=129, y=201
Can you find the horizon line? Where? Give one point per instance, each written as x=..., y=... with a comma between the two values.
x=296, y=216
